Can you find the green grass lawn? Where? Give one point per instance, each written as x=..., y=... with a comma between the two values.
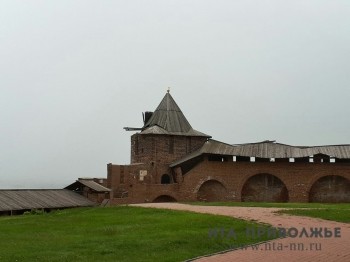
x=279, y=205
x=117, y=234
x=334, y=212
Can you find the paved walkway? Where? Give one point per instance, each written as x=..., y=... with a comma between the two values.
x=315, y=249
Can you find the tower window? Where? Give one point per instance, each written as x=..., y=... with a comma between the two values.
x=171, y=145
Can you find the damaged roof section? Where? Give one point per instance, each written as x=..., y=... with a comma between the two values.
x=267, y=149
x=88, y=183
x=168, y=119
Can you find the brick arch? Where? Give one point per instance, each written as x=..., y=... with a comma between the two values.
x=201, y=182
x=164, y=198
x=320, y=175
x=245, y=178
x=264, y=187
x=330, y=189
x=212, y=190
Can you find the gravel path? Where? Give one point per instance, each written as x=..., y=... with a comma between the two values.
x=286, y=249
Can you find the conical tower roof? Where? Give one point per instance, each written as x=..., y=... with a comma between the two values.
x=169, y=119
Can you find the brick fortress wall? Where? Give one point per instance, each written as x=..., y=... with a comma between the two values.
x=234, y=181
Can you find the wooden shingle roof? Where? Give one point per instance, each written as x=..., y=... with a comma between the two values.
x=267, y=149
x=24, y=199
x=168, y=119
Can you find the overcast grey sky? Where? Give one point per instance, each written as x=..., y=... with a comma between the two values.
x=74, y=73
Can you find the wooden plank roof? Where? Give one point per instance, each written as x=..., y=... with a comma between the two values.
x=23, y=199
x=267, y=149
x=168, y=119
x=90, y=184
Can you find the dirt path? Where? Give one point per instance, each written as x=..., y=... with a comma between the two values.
x=285, y=249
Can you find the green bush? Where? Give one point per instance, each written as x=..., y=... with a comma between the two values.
x=35, y=212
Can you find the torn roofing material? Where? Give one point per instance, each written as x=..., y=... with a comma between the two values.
x=90, y=184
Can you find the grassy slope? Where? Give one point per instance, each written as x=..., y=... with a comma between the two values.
x=281, y=205
x=115, y=234
x=334, y=212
